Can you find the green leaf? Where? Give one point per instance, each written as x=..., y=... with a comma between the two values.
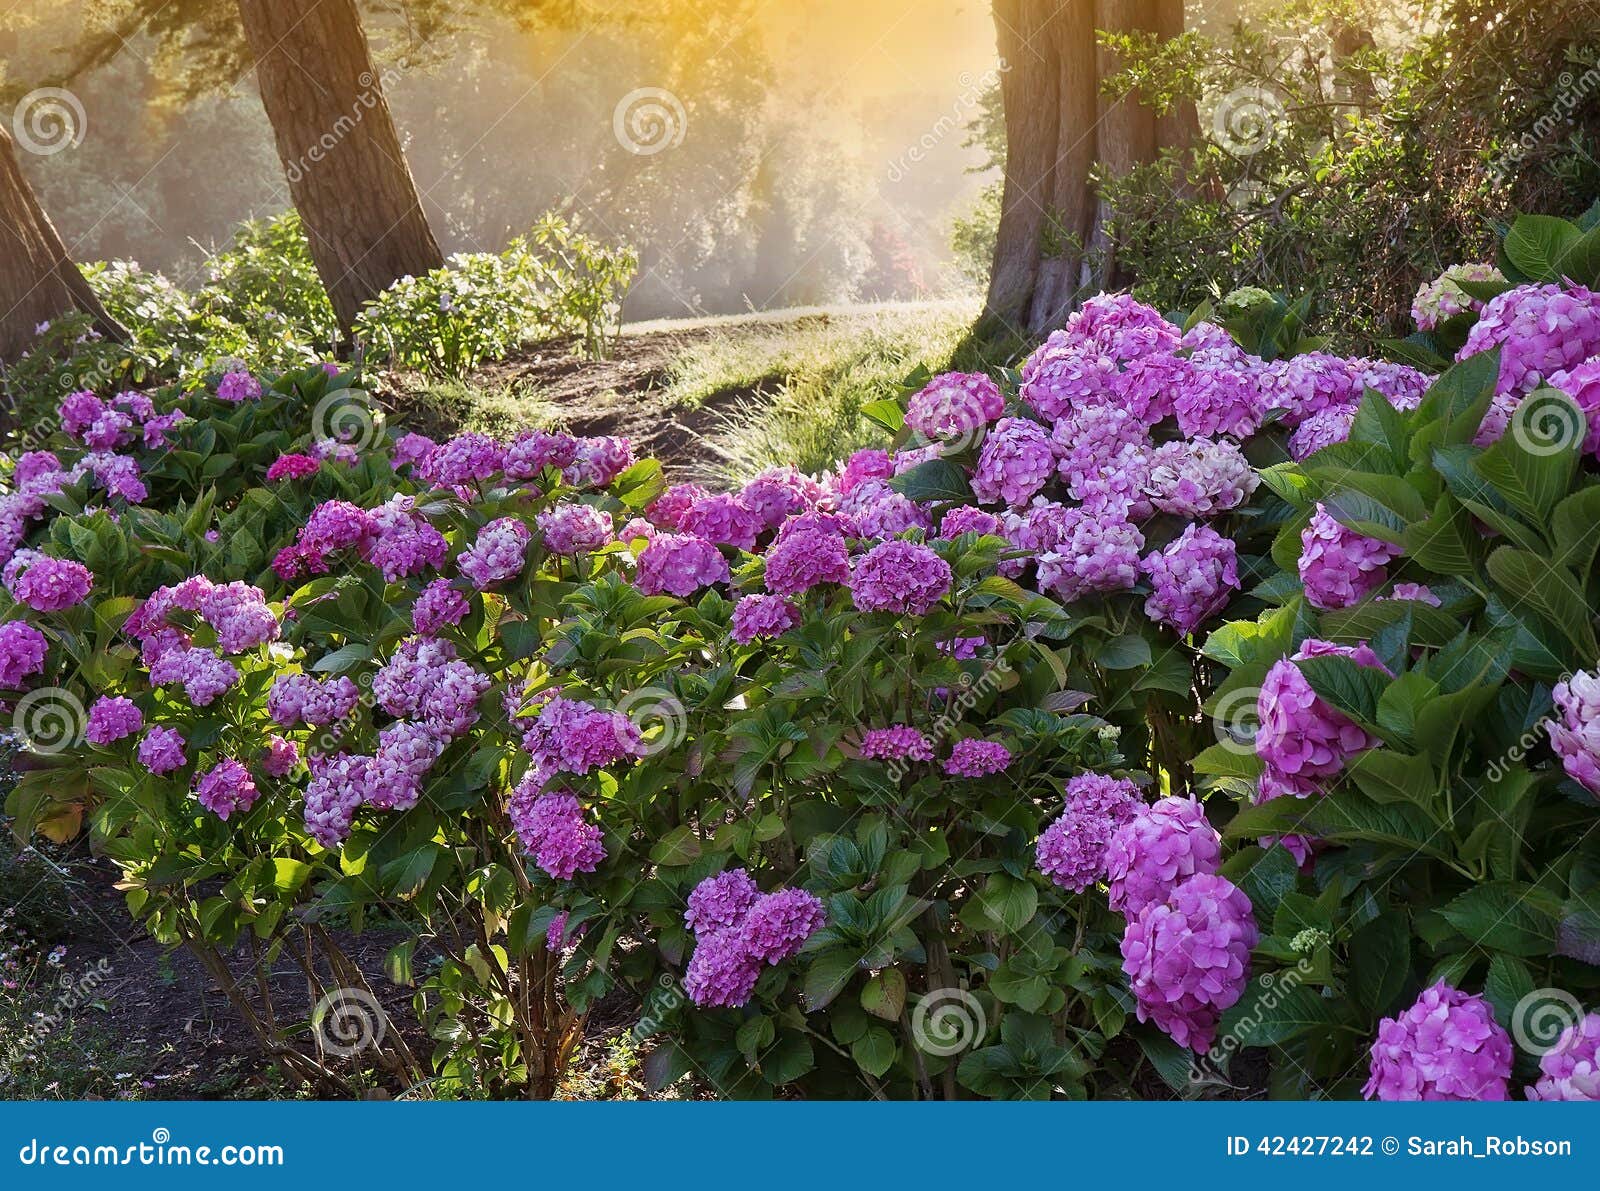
x=1276, y=1008
x=885, y=994
x=1006, y=904
x=1532, y=463
x=1387, y=776
x=1353, y=689
x=343, y=659
x=874, y=1051
x=1380, y=962
x=1506, y=916
x=888, y=413
x=934, y=480
x=826, y=978
x=1536, y=244
x=1506, y=984
x=677, y=847
x=1549, y=590
x=1127, y=652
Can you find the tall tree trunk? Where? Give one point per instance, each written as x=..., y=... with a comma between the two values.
x=347, y=174
x=38, y=280
x=1053, y=247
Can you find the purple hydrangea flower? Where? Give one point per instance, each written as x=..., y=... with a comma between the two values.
x=805, y=558
x=899, y=577
x=111, y=718
x=22, y=651
x=498, y=554
x=895, y=743
x=1300, y=736
x=1191, y=578
x=1447, y=1046
x=1338, y=566
x=46, y=584
x=778, y=925
x=553, y=831
x=1016, y=461
x=1161, y=845
x=680, y=565
x=161, y=750
x=1570, y=1070
x=1575, y=735
x=225, y=788
x=1541, y=330
x=721, y=973
x=955, y=405
x=1187, y=957
x=1072, y=850
x=721, y=901
x=977, y=758
x=575, y=528
x=759, y=616
x=437, y=605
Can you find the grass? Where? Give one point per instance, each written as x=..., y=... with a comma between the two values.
x=446, y=406
x=812, y=378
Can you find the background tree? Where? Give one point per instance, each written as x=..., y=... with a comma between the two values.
x=1053, y=244
x=347, y=173
x=38, y=280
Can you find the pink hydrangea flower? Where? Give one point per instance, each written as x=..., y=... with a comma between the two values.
x=22, y=652
x=977, y=758
x=866, y=464
x=303, y=699
x=1299, y=735
x=1420, y=592
x=111, y=718
x=1200, y=478
x=202, y=673
x=1575, y=733
x=899, y=577
x=895, y=743
x=237, y=386
x=239, y=614
x=292, y=467
x=779, y=493
x=46, y=584
x=575, y=528
x=1100, y=552
x=1570, y=1070
x=722, y=521
x=955, y=405
x=805, y=558
x=1338, y=566
x=226, y=788
x=721, y=973
x=1187, y=957
x=969, y=519
x=1541, y=330
x=532, y=452
x=1443, y=298
x=1072, y=850
x=339, y=784
x=680, y=565
x=425, y=680
x=571, y=736
x=553, y=831
x=1582, y=384
x=669, y=508
x=878, y=511
x=498, y=554
x=1322, y=429
x=280, y=756
x=720, y=901
x=403, y=542
x=1067, y=371
x=1091, y=439
x=161, y=750
x=1016, y=461
x=760, y=616
x=1161, y=845
x=1447, y=1046
x=597, y=461
x=437, y=605
x=777, y=926
x=1191, y=578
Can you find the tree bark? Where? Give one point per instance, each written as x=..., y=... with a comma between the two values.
x=347, y=173
x=1053, y=247
x=38, y=280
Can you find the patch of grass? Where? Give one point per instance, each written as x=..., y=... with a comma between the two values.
x=815, y=379
x=446, y=407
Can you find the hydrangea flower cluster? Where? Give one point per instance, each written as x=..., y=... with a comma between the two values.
x=1098, y=553
x=1575, y=735
x=1017, y=460
x=302, y=699
x=46, y=584
x=1447, y=1046
x=1443, y=298
x=1570, y=1070
x=756, y=617
x=1540, y=329
x=161, y=750
x=227, y=788
x=1187, y=958
x=737, y=929
x=1338, y=566
x=899, y=576
x=806, y=556
x=1582, y=384
x=1300, y=737
x=571, y=736
x=575, y=529
x=1191, y=578
x=977, y=758
x=112, y=717
x=425, y=680
x=898, y=742
x=1161, y=845
x=497, y=554
x=554, y=832
x=437, y=605
x=22, y=652
x=680, y=565
x=955, y=406
x=1072, y=850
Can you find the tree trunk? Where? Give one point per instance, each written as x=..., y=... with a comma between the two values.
x=38, y=280
x=347, y=174
x=1053, y=248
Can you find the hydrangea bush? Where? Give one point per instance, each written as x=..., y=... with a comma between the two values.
x=894, y=781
